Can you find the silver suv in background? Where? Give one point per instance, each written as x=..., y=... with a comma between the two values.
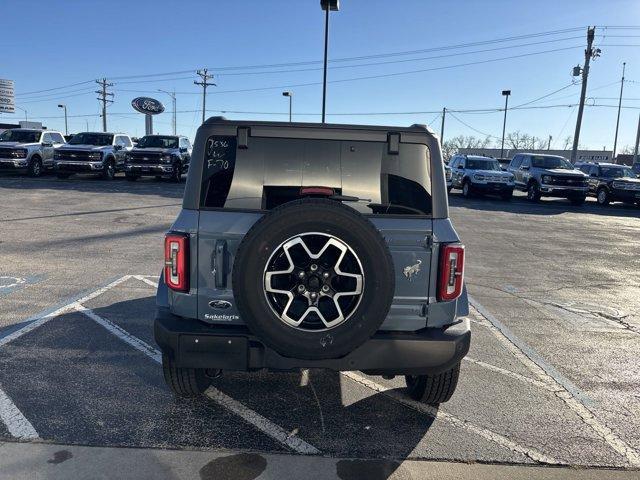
x=28, y=150
x=548, y=176
x=480, y=175
x=93, y=152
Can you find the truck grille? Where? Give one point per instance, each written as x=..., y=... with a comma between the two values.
x=141, y=158
x=568, y=181
x=496, y=178
x=6, y=152
x=72, y=155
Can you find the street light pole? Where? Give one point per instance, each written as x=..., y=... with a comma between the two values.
x=66, y=126
x=290, y=95
x=173, y=102
x=25, y=112
x=326, y=5
x=615, y=139
x=506, y=94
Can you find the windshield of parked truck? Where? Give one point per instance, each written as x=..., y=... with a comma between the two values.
x=483, y=164
x=616, y=172
x=157, y=141
x=551, y=162
x=22, y=136
x=97, y=139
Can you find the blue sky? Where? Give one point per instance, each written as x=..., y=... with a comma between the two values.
x=51, y=44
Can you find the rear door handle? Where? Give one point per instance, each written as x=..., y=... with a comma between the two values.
x=219, y=264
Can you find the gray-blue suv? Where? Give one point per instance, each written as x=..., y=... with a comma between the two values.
x=313, y=246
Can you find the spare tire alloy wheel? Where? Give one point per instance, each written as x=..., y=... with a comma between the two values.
x=313, y=279
x=313, y=282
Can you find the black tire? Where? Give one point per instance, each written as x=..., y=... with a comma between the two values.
x=433, y=389
x=176, y=176
x=299, y=218
x=506, y=196
x=533, y=192
x=131, y=177
x=109, y=170
x=466, y=189
x=602, y=197
x=35, y=167
x=184, y=382
x=63, y=176
x=578, y=200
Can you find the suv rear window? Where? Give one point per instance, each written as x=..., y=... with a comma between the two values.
x=271, y=171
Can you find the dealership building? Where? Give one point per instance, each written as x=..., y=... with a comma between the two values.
x=582, y=156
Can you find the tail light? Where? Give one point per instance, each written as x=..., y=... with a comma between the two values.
x=176, y=261
x=451, y=272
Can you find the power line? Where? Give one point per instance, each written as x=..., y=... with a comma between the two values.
x=472, y=128
x=204, y=84
x=547, y=95
x=103, y=96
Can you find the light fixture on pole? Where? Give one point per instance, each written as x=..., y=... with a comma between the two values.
x=173, y=100
x=66, y=126
x=327, y=6
x=506, y=94
x=290, y=95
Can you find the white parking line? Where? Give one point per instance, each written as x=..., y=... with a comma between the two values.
x=509, y=373
x=38, y=322
x=143, y=278
x=563, y=388
x=258, y=421
x=16, y=422
x=492, y=436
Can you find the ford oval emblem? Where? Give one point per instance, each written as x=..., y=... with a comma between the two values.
x=146, y=105
x=219, y=304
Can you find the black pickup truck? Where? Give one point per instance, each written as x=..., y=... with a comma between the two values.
x=162, y=156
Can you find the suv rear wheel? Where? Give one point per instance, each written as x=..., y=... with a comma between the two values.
x=433, y=389
x=185, y=382
x=313, y=279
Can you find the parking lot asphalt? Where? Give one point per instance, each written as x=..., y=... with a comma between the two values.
x=552, y=377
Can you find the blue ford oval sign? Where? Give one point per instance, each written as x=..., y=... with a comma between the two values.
x=149, y=106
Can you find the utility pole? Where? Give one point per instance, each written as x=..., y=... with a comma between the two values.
x=506, y=94
x=549, y=144
x=615, y=139
x=103, y=96
x=444, y=114
x=204, y=84
x=588, y=54
x=173, y=101
x=635, y=150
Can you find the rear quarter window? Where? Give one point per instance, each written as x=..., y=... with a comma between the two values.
x=219, y=166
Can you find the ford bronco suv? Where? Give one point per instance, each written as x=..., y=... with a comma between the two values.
x=548, y=176
x=93, y=152
x=28, y=150
x=313, y=246
x=474, y=174
x=610, y=182
x=162, y=156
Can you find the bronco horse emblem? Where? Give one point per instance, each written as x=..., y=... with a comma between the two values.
x=411, y=270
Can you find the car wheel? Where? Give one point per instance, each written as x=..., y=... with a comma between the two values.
x=533, y=192
x=131, y=177
x=578, y=200
x=313, y=279
x=35, y=167
x=433, y=389
x=466, y=189
x=506, y=196
x=602, y=197
x=185, y=382
x=176, y=176
x=109, y=170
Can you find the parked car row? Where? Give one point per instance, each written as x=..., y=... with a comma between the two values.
x=33, y=151
x=543, y=176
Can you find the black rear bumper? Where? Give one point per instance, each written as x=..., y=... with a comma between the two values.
x=192, y=344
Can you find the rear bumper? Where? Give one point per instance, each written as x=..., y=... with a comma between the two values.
x=192, y=344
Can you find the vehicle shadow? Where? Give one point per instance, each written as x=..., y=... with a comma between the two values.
x=94, y=184
x=338, y=415
x=552, y=206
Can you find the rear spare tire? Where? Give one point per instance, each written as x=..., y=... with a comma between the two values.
x=313, y=279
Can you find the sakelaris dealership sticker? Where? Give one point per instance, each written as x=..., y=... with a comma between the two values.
x=146, y=105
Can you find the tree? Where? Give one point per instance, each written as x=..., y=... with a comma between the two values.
x=451, y=146
x=567, y=142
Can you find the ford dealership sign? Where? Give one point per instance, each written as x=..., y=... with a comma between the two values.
x=148, y=106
